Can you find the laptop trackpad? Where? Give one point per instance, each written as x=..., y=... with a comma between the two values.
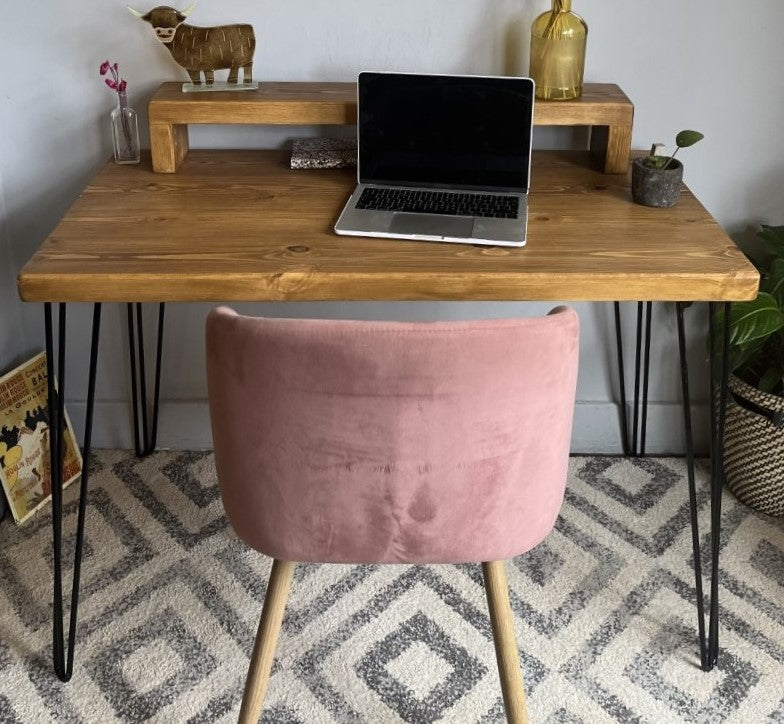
x=432, y=225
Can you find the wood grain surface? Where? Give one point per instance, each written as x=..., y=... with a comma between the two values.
x=242, y=226
x=601, y=104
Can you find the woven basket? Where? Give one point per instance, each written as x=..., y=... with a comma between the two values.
x=754, y=447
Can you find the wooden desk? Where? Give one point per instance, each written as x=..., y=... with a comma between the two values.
x=241, y=226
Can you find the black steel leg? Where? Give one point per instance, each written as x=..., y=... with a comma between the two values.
x=637, y=360
x=721, y=375
x=56, y=408
x=621, y=381
x=146, y=438
x=642, y=361
x=646, y=376
x=695, y=533
x=708, y=652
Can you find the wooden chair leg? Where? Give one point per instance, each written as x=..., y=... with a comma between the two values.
x=506, y=653
x=266, y=641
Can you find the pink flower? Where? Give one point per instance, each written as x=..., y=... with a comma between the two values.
x=113, y=80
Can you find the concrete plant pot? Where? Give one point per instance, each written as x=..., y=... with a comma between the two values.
x=655, y=186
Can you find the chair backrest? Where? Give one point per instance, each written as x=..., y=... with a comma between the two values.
x=360, y=442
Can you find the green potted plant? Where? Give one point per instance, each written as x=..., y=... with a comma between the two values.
x=754, y=426
x=656, y=180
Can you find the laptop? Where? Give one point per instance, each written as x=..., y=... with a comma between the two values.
x=442, y=158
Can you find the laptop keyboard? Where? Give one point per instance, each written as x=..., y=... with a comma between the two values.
x=439, y=202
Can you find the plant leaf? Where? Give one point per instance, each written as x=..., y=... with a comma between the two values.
x=770, y=381
x=760, y=258
x=755, y=320
x=773, y=232
x=688, y=138
x=745, y=356
x=773, y=236
x=740, y=355
x=656, y=161
x=773, y=283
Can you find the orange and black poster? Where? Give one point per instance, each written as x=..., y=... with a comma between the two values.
x=24, y=440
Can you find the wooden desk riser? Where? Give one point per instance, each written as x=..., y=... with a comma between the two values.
x=242, y=226
x=603, y=107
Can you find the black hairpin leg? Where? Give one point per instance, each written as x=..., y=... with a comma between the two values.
x=56, y=406
x=719, y=381
x=719, y=373
x=621, y=381
x=145, y=438
x=642, y=363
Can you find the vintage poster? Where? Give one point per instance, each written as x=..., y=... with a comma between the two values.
x=24, y=440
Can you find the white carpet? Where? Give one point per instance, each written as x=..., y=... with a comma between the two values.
x=605, y=613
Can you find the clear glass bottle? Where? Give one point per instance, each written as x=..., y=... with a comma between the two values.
x=125, y=132
x=558, y=39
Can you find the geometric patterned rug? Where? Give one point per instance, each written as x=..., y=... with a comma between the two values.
x=604, y=612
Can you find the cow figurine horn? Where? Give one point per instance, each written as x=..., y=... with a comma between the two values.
x=185, y=12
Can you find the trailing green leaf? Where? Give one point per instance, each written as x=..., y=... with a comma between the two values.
x=771, y=232
x=688, y=138
x=756, y=344
x=773, y=284
x=771, y=380
x=683, y=140
x=656, y=161
x=743, y=357
x=755, y=320
x=760, y=259
x=773, y=236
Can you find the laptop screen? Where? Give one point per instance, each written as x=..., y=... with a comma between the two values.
x=445, y=131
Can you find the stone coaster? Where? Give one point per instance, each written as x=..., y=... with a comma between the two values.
x=310, y=153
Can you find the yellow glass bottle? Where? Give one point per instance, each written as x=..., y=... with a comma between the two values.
x=558, y=40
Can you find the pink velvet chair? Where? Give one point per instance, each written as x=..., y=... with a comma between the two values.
x=391, y=442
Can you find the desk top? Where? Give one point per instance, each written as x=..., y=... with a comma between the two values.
x=241, y=226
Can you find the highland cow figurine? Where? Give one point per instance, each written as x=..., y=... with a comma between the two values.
x=203, y=49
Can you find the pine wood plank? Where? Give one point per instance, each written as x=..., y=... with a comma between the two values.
x=336, y=104
x=610, y=147
x=272, y=103
x=241, y=226
x=602, y=106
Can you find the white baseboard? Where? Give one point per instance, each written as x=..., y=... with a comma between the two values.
x=185, y=425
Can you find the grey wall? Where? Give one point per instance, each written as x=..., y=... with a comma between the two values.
x=11, y=330
x=714, y=66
